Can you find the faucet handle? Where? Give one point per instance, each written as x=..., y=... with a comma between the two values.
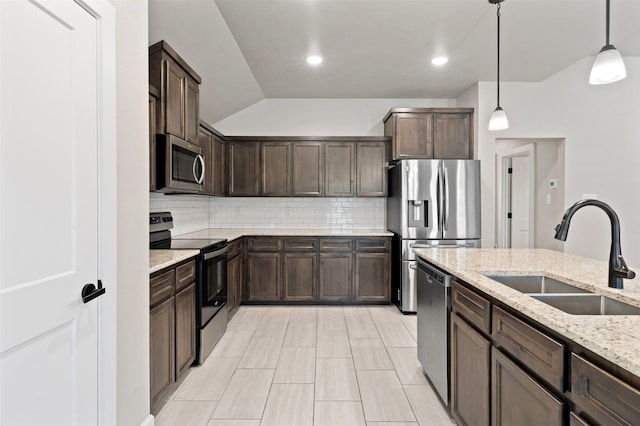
x=623, y=271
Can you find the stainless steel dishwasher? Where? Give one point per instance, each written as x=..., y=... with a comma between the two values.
x=433, y=307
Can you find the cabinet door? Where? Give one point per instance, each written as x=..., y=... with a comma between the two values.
x=218, y=166
x=452, y=136
x=517, y=399
x=470, y=374
x=174, y=99
x=371, y=171
x=263, y=280
x=335, y=276
x=339, y=169
x=185, y=329
x=300, y=275
x=275, y=169
x=602, y=397
x=243, y=169
x=152, y=143
x=204, y=142
x=161, y=349
x=413, y=136
x=372, y=277
x=234, y=284
x=192, y=113
x=307, y=169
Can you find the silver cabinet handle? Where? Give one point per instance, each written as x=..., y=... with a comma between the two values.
x=199, y=179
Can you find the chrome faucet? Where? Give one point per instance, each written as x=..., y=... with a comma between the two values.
x=617, y=267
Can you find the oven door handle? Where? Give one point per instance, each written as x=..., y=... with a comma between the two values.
x=216, y=253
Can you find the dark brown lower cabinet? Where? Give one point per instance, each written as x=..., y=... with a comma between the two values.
x=335, y=272
x=263, y=276
x=602, y=397
x=185, y=329
x=518, y=399
x=470, y=374
x=162, y=349
x=372, y=277
x=172, y=329
x=300, y=272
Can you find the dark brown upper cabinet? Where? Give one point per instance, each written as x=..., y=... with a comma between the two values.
x=154, y=95
x=371, y=169
x=308, y=169
x=244, y=169
x=275, y=169
x=214, y=151
x=177, y=111
x=339, y=169
x=443, y=133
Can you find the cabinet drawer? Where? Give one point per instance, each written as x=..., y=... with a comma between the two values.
x=541, y=354
x=372, y=244
x=185, y=275
x=300, y=244
x=264, y=244
x=604, y=398
x=336, y=244
x=235, y=248
x=161, y=287
x=473, y=307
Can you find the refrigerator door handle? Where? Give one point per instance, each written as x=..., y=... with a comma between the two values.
x=439, y=192
x=445, y=200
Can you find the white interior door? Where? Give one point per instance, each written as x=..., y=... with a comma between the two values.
x=520, y=208
x=48, y=213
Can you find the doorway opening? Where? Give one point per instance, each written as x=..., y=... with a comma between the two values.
x=529, y=192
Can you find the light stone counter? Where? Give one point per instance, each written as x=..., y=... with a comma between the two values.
x=613, y=337
x=234, y=233
x=160, y=259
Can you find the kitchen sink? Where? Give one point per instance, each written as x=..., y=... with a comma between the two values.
x=536, y=284
x=587, y=304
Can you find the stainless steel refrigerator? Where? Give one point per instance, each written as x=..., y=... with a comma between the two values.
x=431, y=203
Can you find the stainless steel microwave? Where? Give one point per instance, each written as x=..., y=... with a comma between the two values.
x=180, y=165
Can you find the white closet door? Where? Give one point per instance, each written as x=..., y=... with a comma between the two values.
x=48, y=213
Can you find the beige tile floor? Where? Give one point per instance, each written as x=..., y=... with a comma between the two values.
x=321, y=365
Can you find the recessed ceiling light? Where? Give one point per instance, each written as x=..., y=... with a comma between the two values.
x=439, y=60
x=314, y=59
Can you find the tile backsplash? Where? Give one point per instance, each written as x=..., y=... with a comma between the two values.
x=192, y=212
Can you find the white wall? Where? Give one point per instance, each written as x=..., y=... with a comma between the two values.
x=132, y=85
x=318, y=117
x=602, y=145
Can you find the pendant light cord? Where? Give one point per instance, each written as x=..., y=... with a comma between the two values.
x=607, y=36
x=498, y=14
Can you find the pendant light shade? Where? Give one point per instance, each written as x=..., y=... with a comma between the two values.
x=498, y=119
x=608, y=66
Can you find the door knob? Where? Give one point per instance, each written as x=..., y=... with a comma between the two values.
x=90, y=292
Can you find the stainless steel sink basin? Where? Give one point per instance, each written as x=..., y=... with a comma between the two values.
x=587, y=304
x=536, y=284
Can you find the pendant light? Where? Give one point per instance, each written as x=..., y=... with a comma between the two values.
x=498, y=119
x=608, y=66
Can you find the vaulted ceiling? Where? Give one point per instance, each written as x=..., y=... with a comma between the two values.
x=248, y=50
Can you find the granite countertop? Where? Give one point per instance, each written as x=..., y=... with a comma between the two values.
x=234, y=233
x=160, y=259
x=615, y=338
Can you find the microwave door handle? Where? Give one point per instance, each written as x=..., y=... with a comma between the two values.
x=199, y=179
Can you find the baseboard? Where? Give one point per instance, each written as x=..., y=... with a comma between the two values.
x=149, y=421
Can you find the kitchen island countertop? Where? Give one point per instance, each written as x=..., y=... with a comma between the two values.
x=615, y=338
